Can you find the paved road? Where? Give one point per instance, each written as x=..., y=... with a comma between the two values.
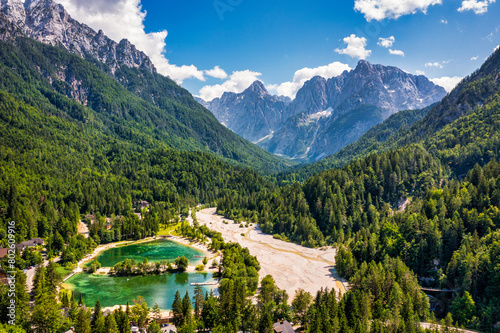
x=30, y=274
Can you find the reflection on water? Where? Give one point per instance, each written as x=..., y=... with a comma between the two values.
x=158, y=289
x=157, y=250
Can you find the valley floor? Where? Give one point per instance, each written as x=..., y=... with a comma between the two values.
x=292, y=266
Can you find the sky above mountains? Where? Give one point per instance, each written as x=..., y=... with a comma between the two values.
x=213, y=46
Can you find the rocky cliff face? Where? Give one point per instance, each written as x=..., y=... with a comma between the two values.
x=48, y=22
x=326, y=115
x=337, y=111
x=252, y=114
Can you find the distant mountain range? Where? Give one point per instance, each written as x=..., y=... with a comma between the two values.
x=327, y=114
x=435, y=127
x=253, y=114
x=124, y=90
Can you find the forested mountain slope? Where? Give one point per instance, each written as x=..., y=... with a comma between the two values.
x=473, y=92
x=74, y=141
x=101, y=83
x=374, y=137
x=434, y=204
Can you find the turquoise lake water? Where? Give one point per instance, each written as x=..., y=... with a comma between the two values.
x=158, y=289
x=157, y=250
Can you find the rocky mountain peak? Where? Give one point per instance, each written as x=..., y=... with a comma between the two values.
x=257, y=88
x=49, y=23
x=13, y=9
x=253, y=114
x=363, y=65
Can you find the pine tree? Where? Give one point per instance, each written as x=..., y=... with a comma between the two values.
x=97, y=323
x=187, y=308
x=198, y=301
x=154, y=327
x=82, y=324
x=46, y=315
x=110, y=324
x=177, y=310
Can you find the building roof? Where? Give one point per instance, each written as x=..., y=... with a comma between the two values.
x=33, y=242
x=3, y=252
x=283, y=327
x=169, y=329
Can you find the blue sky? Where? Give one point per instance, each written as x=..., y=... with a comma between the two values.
x=272, y=40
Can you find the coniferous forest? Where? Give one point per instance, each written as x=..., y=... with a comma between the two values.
x=414, y=203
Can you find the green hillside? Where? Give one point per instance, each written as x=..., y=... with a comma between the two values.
x=104, y=147
x=434, y=203
x=416, y=126
x=31, y=68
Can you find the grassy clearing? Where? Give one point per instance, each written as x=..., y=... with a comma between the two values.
x=63, y=271
x=169, y=230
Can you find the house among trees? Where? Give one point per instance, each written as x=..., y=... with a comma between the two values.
x=283, y=327
x=141, y=204
x=23, y=245
x=33, y=242
x=3, y=252
x=30, y=243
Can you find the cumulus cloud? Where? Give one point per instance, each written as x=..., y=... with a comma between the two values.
x=478, y=7
x=419, y=72
x=397, y=52
x=474, y=58
x=448, y=83
x=237, y=82
x=433, y=64
x=393, y=9
x=300, y=77
x=217, y=73
x=356, y=47
x=443, y=21
x=124, y=19
x=386, y=42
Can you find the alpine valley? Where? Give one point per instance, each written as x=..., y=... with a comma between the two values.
x=119, y=189
x=326, y=115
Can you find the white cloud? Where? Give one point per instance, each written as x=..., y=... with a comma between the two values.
x=386, y=42
x=443, y=21
x=479, y=7
x=300, y=77
x=356, y=47
x=393, y=9
x=217, y=73
x=474, y=58
x=419, y=72
x=124, y=19
x=448, y=83
x=237, y=82
x=433, y=64
x=397, y=52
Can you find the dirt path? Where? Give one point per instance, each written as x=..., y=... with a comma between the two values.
x=83, y=229
x=440, y=327
x=292, y=266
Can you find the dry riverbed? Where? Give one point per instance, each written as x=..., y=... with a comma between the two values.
x=292, y=266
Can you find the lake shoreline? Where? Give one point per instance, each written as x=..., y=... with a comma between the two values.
x=105, y=271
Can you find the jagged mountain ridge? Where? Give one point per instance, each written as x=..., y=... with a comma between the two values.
x=183, y=124
x=420, y=126
x=386, y=87
x=327, y=114
x=49, y=23
x=235, y=110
